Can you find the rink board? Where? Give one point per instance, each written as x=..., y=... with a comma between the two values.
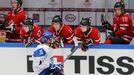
x=98, y=60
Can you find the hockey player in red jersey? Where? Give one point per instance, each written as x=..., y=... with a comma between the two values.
x=122, y=30
x=2, y=21
x=30, y=33
x=86, y=34
x=62, y=32
x=14, y=19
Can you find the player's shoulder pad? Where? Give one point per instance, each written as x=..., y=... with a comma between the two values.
x=95, y=30
x=41, y=51
x=65, y=26
x=126, y=15
x=77, y=30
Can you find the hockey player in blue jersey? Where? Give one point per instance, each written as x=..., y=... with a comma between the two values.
x=43, y=60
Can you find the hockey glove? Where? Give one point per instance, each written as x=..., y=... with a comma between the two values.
x=84, y=47
x=57, y=38
x=28, y=41
x=106, y=25
x=11, y=28
x=88, y=42
x=55, y=67
x=111, y=35
x=55, y=42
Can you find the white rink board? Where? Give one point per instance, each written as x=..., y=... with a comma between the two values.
x=14, y=62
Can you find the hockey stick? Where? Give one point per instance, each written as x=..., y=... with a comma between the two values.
x=103, y=18
x=73, y=49
x=132, y=42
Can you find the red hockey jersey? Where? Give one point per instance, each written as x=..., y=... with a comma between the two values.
x=92, y=34
x=35, y=34
x=65, y=32
x=16, y=19
x=123, y=27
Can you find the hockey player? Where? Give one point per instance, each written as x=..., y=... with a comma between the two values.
x=86, y=34
x=122, y=30
x=2, y=24
x=61, y=31
x=14, y=18
x=2, y=21
x=30, y=33
x=43, y=61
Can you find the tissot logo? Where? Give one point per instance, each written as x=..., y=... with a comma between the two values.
x=103, y=62
x=102, y=65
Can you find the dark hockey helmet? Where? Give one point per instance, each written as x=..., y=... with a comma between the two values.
x=57, y=19
x=120, y=5
x=85, y=22
x=18, y=1
x=28, y=21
